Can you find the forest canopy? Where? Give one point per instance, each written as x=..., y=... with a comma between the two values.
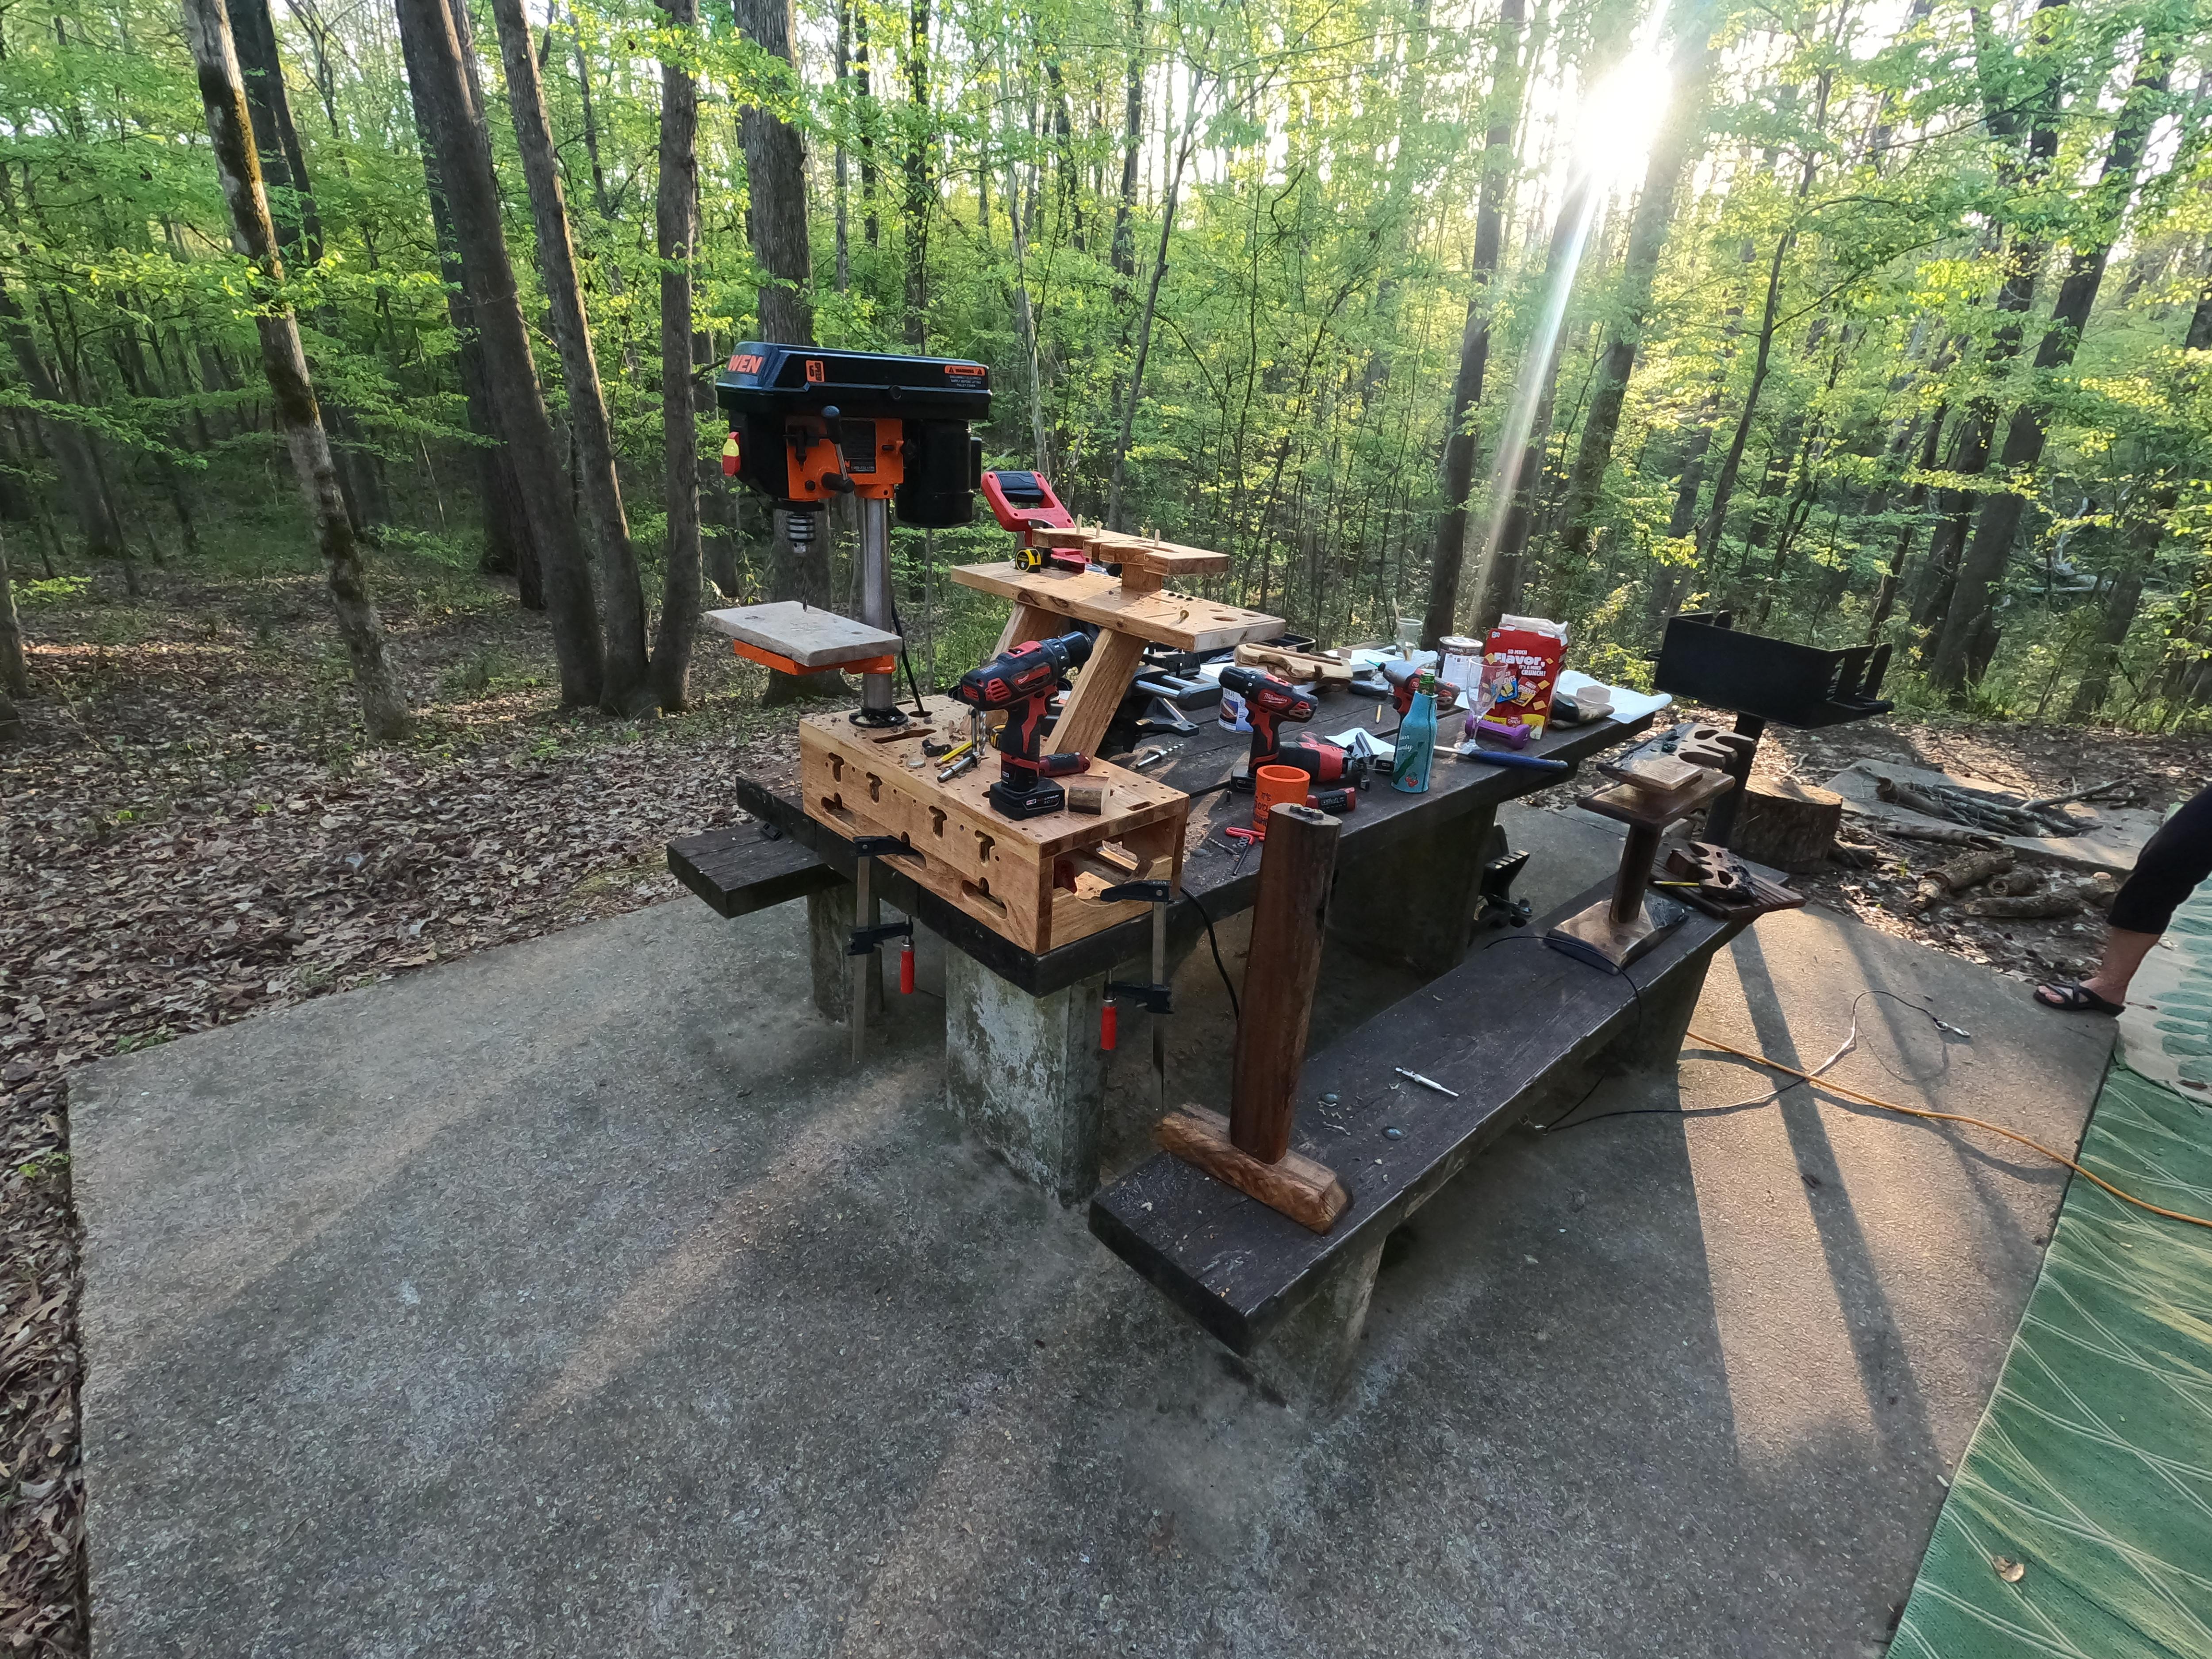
x=1871, y=321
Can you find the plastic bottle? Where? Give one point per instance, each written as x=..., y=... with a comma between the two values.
x=1416, y=742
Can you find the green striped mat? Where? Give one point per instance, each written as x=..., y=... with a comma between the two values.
x=2091, y=1472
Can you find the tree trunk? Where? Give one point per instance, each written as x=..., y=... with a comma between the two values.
x=1969, y=616
x=840, y=178
x=1679, y=137
x=508, y=548
x=1513, y=521
x=1124, y=250
x=776, y=174
x=2121, y=605
x=283, y=166
x=384, y=710
x=298, y=231
x=1916, y=498
x=14, y=676
x=676, y=215
x=1447, y=562
x=596, y=480
x=864, y=109
x=1113, y=502
x=919, y=194
x=465, y=170
x=70, y=446
x=1732, y=462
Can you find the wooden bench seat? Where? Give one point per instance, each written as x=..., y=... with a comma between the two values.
x=748, y=867
x=1516, y=1028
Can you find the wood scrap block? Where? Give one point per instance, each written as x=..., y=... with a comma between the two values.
x=1307, y=1191
x=806, y=634
x=1086, y=796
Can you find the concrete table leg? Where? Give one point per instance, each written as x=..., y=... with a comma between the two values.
x=1308, y=1358
x=1654, y=1043
x=1026, y=1073
x=1415, y=905
x=831, y=915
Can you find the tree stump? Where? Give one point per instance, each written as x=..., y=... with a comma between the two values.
x=1787, y=825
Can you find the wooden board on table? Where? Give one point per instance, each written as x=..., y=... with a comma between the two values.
x=1033, y=881
x=1177, y=622
x=808, y=635
x=1145, y=552
x=1297, y=666
x=1200, y=763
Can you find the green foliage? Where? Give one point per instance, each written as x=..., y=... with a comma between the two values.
x=1882, y=167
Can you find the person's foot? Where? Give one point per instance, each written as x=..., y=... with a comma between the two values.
x=2076, y=997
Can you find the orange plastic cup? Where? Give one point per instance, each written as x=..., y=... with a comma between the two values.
x=1273, y=786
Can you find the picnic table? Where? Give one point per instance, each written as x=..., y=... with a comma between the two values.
x=1023, y=1065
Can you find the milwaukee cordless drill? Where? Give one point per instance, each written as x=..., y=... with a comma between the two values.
x=1021, y=682
x=1268, y=703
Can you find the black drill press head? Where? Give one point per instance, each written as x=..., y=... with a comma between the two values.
x=807, y=424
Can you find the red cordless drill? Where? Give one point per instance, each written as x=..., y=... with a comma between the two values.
x=1268, y=703
x=1022, y=681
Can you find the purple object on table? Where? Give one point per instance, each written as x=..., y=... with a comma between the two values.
x=1516, y=735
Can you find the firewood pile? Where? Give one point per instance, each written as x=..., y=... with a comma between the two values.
x=1992, y=811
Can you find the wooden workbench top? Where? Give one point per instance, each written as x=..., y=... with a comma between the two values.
x=1180, y=621
x=1383, y=821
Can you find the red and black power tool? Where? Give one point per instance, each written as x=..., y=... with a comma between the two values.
x=1021, y=682
x=1268, y=703
x=1024, y=503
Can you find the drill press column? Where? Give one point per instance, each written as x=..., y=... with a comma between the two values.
x=878, y=692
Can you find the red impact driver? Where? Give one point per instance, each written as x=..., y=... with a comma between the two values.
x=1021, y=682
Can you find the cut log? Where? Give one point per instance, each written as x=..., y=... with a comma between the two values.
x=1960, y=873
x=1786, y=824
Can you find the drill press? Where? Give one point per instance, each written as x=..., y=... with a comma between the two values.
x=807, y=425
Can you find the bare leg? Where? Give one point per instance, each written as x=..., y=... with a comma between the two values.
x=2123, y=954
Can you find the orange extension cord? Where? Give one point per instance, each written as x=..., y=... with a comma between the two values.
x=1945, y=1117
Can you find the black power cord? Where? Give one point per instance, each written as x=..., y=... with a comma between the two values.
x=1214, y=945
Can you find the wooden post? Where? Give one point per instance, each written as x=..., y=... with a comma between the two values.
x=1249, y=1149
x=1290, y=916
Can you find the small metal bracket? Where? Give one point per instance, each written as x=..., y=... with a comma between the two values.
x=1153, y=998
x=864, y=940
x=883, y=847
x=1139, y=892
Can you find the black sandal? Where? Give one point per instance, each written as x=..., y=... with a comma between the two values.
x=2073, y=998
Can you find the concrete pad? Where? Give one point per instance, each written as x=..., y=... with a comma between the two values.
x=576, y=1298
x=2110, y=838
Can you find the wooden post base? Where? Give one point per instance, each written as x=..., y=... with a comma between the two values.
x=1306, y=1191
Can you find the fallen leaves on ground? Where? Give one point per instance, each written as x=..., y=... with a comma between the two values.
x=194, y=834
